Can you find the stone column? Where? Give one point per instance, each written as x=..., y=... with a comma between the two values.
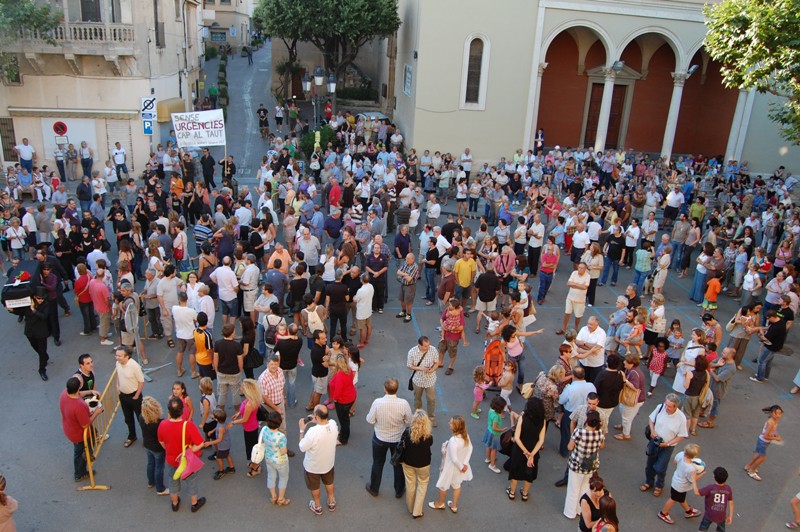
x=679, y=78
x=65, y=9
x=536, y=100
x=605, y=110
x=736, y=124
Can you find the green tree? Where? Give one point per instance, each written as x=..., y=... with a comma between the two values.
x=16, y=14
x=758, y=44
x=338, y=28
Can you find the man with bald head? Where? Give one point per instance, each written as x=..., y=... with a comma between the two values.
x=228, y=288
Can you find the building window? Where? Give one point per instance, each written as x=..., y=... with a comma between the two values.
x=475, y=72
x=9, y=139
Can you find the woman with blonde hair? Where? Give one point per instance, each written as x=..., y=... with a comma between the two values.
x=154, y=257
x=246, y=417
x=150, y=419
x=456, y=453
x=343, y=393
x=546, y=388
x=417, y=441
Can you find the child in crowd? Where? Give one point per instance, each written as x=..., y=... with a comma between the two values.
x=711, y=352
x=713, y=288
x=636, y=336
x=658, y=363
x=493, y=326
x=558, y=232
x=179, y=391
x=494, y=429
x=768, y=435
x=682, y=481
x=208, y=403
x=718, y=500
x=506, y=382
x=796, y=510
x=354, y=361
x=479, y=376
x=222, y=445
x=676, y=342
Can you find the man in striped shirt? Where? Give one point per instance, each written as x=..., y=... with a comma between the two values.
x=390, y=415
x=202, y=230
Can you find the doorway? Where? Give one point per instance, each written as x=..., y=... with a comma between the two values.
x=614, y=119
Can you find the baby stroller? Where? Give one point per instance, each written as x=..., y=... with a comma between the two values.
x=494, y=358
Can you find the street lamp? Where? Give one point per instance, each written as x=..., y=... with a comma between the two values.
x=306, y=81
x=331, y=84
x=319, y=76
x=319, y=80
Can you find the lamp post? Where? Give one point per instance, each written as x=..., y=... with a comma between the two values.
x=319, y=80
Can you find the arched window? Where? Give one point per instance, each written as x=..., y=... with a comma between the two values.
x=475, y=72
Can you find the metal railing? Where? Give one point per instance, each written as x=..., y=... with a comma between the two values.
x=95, y=434
x=82, y=32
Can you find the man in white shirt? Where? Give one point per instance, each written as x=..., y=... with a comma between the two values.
x=580, y=243
x=651, y=201
x=363, y=300
x=675, y=200
x=390, y=415
x=245, y=213
x=111, y=177
x=249, y=285
x=184, y=318
x=120, y=157
x=591, y=347
x=650, y=228
x=578, y=284
x=466, y=161
x=668, y=423
x=228, y=287
x=319, y=445
x=573, y=396
x=310, y=246
x=434, y=210
x=631, y=241
x=27, y=155
x=535, y=243
x=593, y=228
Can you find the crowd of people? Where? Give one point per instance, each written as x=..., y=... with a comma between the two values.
x=311, y=257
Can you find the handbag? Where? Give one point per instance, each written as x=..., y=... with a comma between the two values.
x=259, y=450
x=253, y=359
x=411, y=378
x=397, y=454
x=178, y=253
x=647, y=433
x=629, y=396
x=262, y=414
x=587, y=463
x=189, y=462
x=731, y=324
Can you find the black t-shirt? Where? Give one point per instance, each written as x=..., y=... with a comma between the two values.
x=229, y=352
x=776, y=334
x=337, y=292
x=87, y=381
x=432, y=254
x=634, y=302
x=352, y=284
x=448, y=229
x=297, y=287
x=289, y=350
x=318, y=285
x=488, y=284
x=262, y=116
x=786, y=314
x=616, y=244
x=608, y=384
x=317, y=369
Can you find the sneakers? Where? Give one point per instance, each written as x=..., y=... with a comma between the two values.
x=494, y=469
x=219, y=474
x=199, y=504
x=756, y=379
x=106, y=342
x=475, y=416
x=317, y=510
x=332, y=505
x=401, y=315
x=666, y=518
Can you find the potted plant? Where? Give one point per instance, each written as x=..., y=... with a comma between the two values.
x=244, y=51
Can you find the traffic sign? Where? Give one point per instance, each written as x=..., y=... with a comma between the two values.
x=148, y=116
x=147, y=127
x=60, y=129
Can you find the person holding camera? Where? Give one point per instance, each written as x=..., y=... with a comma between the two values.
x=319, y=445
x=667, y=428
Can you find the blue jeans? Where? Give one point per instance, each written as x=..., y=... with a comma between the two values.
x=430, y=284
x=656, y=468
x=705, y=524
x=155, y=469
x=764, y=363
x=79, y=460
x=613, y=267
x=520, y=368
x=545, y=280
x=290, y=375
x=677, y=255
x=260, y=345
x=638, y=279
x=85, y=205
x=379, y=449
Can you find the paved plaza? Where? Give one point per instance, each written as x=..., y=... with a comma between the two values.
x=35, y=457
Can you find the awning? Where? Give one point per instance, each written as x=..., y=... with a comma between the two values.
x=169, y=106
x=48, y=112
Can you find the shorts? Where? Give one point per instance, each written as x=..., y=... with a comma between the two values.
x=249, y=300
x=320, y=384
x=486, y=306
x=692, y=406
x=128, y=339
x=183, y=345
x=761, y=447
x=222, y=454
x=677, y=496
x=461, y=200
x=670, y=212
x=313, y=479
x=576, y=254
x=31, y=239
x=230, y=308
x=462, y=291
x=407, y=293
x=207, y=371
x=208, y=427
x=575, y=307
x=450, y=346
x=278, y=121
x=364, y=324
x=709, y=305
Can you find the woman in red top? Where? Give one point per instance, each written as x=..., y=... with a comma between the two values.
x=170, y=436
x=343, y=393
x=81, y=287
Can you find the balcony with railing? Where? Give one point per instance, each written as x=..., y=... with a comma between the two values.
x=78, y=38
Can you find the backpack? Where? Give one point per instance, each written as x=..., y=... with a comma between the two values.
x=271, y=334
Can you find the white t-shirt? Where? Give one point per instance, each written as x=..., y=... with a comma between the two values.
x=434, y=211
x=631, y=236
x=363, y=299
x=184, y=322
x=536, y=229
x=597, y=337
x=675, y=199
x=578, y=295
x=226, y=281
x=119, y=155
x=319, y=444
x=110, y=174
x=581, y=240
x=25, y=152
x=669, y=426
x=593, y=229
x=682, y=478
x=466, y=162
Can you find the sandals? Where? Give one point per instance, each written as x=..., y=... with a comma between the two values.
x=274, y=500
x=644, y=487
x=453, y=509
x=171, y=343
x=181, y=372
x=706, y=424
x=283, y=502
x=657, y=492
x=254, y=471
x=524, y=496
x=621, y=437
x=433, y=505
x=693, y=432
x=448, y=371
x=510, y=494
x=477, y=331
x=128, y=443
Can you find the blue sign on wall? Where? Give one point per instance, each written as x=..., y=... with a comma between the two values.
x=147, y=127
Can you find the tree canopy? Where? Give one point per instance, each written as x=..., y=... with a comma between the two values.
x=338, y=28
x=758, y=44
x=17, y=14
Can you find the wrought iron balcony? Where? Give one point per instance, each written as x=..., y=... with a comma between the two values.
x=78, y=38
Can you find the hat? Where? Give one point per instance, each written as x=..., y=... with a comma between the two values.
x=527, y=390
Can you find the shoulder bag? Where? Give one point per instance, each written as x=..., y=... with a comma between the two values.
x=411, y=379
x=647, y=433
x=629, y=396
x=189, y=463
x=259, y=449
x=397, y=454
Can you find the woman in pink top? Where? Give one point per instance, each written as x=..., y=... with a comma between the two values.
x=247, y=418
